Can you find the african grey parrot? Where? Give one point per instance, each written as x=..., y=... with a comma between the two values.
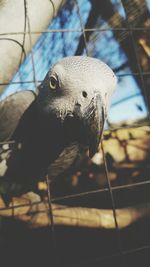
x=53, y=127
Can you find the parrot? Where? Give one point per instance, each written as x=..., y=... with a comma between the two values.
x=47, y=131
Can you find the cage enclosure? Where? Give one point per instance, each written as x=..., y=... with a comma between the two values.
x=99, y=214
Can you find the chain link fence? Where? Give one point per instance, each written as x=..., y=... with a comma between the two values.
x=100, y=214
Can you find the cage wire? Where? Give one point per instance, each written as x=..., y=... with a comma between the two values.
x=121, y=253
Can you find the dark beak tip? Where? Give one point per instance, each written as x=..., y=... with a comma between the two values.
x=93, y=150
x=91, y=154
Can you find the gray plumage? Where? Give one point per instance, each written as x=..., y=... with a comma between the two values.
x=11, y=110
x=53, y=128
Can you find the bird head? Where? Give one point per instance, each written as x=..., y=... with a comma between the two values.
x=76, y=93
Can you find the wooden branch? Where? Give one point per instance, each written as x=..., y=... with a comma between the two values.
x=145, y=46
x=35, y=215
x=40, y=14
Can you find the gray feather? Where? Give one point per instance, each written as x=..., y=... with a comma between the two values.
x=53, y=128
x=11, y=110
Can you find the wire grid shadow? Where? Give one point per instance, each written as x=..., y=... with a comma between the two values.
x=127, y=33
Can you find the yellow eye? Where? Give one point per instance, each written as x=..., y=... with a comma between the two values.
x=53, y=82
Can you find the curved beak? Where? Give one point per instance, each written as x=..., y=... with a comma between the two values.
x=91, y=124
x=94, y=119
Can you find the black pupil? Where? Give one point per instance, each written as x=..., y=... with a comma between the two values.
x=53, y=81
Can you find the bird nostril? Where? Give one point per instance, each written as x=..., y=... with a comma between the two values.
x=84, y=94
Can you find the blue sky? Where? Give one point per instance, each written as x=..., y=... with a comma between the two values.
x=53, y=46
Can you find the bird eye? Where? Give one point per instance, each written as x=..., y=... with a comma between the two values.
x=53, y=82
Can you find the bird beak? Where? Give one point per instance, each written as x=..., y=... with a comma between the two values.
x=94, y=123
x=91, y=123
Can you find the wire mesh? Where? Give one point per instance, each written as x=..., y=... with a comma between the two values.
x=130, y=30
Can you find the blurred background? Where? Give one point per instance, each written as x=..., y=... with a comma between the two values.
x=33, y=36
x=121, y=40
